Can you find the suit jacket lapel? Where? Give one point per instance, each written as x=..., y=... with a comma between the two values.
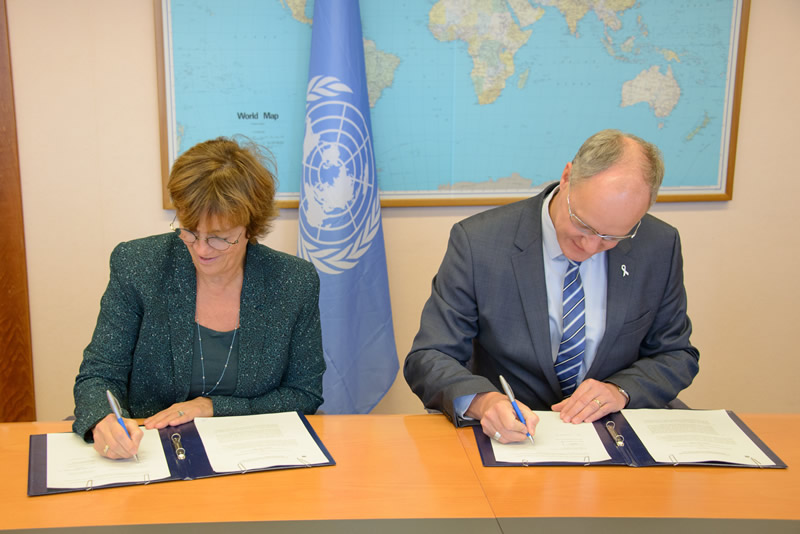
x=182, y=300
x=619, y=261
x=528, y=265
x=252, y=319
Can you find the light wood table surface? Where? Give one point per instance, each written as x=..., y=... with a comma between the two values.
x=653, y=492
x=416, y=473
x=387, y=466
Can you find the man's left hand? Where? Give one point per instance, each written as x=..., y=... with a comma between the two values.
x=591, y=401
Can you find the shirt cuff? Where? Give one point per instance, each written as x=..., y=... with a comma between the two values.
x=461, y=405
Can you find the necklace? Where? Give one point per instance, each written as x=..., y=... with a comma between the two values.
x=202, y=360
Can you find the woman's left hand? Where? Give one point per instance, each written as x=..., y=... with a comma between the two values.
x=181, y=412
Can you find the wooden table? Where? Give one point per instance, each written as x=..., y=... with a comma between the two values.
x=727, y=495
x=399, y=473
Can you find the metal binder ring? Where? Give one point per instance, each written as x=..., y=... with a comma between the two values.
x=619, y=440
x=180, y=452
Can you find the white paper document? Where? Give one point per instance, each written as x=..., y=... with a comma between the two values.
x=73, y=463
x=686, y=436
x=241, y=443
x=555, y=441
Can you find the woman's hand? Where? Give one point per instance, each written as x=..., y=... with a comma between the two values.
x=181, y=412
x=111, y=441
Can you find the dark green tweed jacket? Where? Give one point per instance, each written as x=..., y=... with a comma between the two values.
x=141, y=349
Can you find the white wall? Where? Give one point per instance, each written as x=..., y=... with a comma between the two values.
x=87, y=117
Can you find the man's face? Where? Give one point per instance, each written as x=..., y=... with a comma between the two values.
x=610, y=203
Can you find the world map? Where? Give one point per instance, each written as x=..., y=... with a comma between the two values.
x=468, y=98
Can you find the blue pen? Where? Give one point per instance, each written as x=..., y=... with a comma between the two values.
x=511, y=398
x=114, y=403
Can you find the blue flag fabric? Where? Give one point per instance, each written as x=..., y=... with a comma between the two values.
x=340, y=216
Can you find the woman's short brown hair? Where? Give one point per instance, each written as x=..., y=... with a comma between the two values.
x=226, y=178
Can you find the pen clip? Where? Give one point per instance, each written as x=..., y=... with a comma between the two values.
x=180, y=452
x=114, y=404
x=506, y=388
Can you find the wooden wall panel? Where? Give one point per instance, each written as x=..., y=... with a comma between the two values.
x=17, y=399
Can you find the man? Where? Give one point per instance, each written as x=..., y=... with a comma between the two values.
x=583, y=253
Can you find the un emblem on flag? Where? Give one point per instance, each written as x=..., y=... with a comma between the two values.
x=339, y=204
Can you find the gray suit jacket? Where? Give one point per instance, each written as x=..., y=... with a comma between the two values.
x=487, y=315
x=142, y=348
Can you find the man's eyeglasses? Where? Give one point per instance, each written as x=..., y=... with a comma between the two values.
x=189, y=237
x=585, y=228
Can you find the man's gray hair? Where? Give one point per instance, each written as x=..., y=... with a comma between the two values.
x=607, y=147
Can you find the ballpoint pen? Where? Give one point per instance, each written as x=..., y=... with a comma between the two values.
x=511, y=398
x=114, y=403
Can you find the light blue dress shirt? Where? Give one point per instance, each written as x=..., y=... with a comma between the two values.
x=594, y=276
x=595, y=286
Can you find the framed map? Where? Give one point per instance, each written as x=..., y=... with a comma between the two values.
x=471, y=101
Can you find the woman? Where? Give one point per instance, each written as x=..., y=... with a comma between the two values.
x=203, y=321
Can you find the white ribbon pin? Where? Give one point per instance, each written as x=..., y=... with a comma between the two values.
x=624, y=271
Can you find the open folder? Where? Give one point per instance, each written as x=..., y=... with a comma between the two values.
x=205, y=447
x=636, y=438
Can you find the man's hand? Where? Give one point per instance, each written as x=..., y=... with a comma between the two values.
x=497, y=416
x=591, y=401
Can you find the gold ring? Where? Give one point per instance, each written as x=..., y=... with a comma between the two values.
x=599, y=402
x=105, y=450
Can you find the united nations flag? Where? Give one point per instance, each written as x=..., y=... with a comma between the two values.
x=340, y=216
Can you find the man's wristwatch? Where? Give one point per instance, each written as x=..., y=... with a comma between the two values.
x=624, y=393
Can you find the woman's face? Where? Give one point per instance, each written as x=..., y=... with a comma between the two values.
x=213, y=233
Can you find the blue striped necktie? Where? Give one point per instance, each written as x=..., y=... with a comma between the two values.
x=573, y=340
